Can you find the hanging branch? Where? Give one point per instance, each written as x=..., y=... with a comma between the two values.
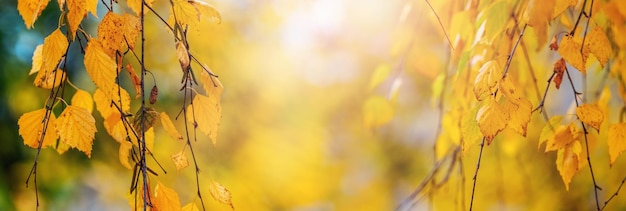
x=142, y=143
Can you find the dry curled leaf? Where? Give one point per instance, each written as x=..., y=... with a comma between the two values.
x=154, y=93
x=180, y=160
x=220, y=193
x=559, y=70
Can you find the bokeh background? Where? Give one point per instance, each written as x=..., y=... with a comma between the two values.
x=295, y=133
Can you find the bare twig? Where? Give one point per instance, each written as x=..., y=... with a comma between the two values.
x=480, y=155
x=440, y=24
x=614, y=194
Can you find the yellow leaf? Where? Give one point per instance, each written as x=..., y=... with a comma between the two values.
x=437, y=88
x=538, y=14
x=616, y=140
x=212, y=86
x=83, y=99
x=562, y=5
x=62, y=147
x=77, y=9
x=115, y=127
x=495, y=17
x=77, y=127
x=377, y=111
x=599, y=45
x=220, y=193
x=92, y=7
x=146, y=117
x=548, y=131
x=169, y=127
x=208, y=113
x=192, y=12
x=380, y=74
x=61, y=4
x=165, y=198
x=104, y=103
x=183, y=55
x=469, y=129
x=31, y=125
x=570, y=50
x=50, y=79
x=190, y=207
x=562, y=137
x=37, y=60
x=30, y=10
x=136, y=80
x=124, y=154
x=567, y=162
x=132, y=28
x=180, y=160
x=520, y=116
x=135, y=5
x=111, y=33
x=509, y=89
x=100, y=67
x=492, y=119
x=54, y=48
x=590, y=114
x=487, y=79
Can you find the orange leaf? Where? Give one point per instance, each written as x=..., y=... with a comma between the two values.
x=192, y=12
x=567, y=162
x=77, y=127
x=207, y=112
x=180, y=160
x=83, y=99
x=169, y=126
x=30, y=10
x=548, y=131
x=559, y=69
x=77, y=9
x=561, y=5
x=50, y=79
x=104, y=103
x=100, y=67
x=31, y=124
x=616, y=141
x=111, y=33
x=492, y=119
x=570, y=50
x=599, y=45
x=136, y=80
x=538, y=14
x=220, y=193
x=590, y=114
x=562, y=137
x=487, y=79
x=165, y=198
x=135, y=5
x=54, y=47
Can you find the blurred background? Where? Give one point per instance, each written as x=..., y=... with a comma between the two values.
x=327, y=105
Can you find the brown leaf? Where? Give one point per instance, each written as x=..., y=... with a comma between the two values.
x=559, y=69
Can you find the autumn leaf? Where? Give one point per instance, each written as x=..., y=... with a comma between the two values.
x=31, y=127
x=180, y=160
x=470, y=131
x=146, y=118
x=509, y=89
x=208, y=113
x=100, y=67
x=135, y=79
x=599, y=45
x=492, y=118
x=487, y=79
x=212, y=85
x=495, y=17
x=220, y=193
x=77, y=127
x=104, y=102
x=616, y=140
x=567, y=160
x=115, y=30
x=538, y=14
x=377, y=111
x=169, y=126
x=562, y=137
x=570, y=50
x=124, y=154
x=380, y=74
x=183, y=55
x=520, y=114
x=83, y=99
x=115, y=127
x=37, y=60
x=165, y=198
x=590, y=114
x=192, y=12
x=30, y=10
x=50, y=80
x=77, y=9
x=54, y=48
x=559, y=70
x=548, y=131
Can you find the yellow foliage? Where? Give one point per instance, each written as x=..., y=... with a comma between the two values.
x=572, y=51
x=567, y=162
x=599, y=45
x=83, y=99
x=77, y=127
x=207, y=113
x=169, y=126
x=377, y=111
x=30, y=10
x=492, y=118
x=100, y=67
x=487, y=79
x=32, y=121
x=165, y=198
x=616, y=140
x=220, y=193
x=180, y=160
x=590, y=114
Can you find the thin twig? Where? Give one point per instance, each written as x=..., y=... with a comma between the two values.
x=480, y=155
x=440, y=24
x=614, y=194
